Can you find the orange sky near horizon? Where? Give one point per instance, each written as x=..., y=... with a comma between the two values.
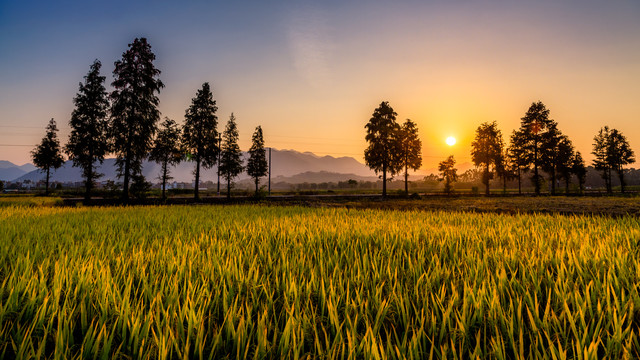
x=312, y=75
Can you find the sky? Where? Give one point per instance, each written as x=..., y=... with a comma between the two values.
x=311, y=73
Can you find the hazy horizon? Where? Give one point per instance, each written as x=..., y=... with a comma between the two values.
x=311, y=73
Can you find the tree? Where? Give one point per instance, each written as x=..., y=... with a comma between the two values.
x=231, y=156
x=88, y=142
x=619, y=154
x=410, y=148
x=200, y=133
x=564, y=160
x=579, y=170
x=486, y=150
x=47, y=155
x=166, y=150
x=601, y=161
x=549, y=153
x=534, y=128
x=383, y=151
x=134, y=110
x=448, y=173
x=516, y=159
x=257, y=164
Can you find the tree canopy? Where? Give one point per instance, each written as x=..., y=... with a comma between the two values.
x=88, y=142
x=48, y=155
x=486, y=151
x=257, y=166
x=134, y=110
x=200, y=133
x=231, y=156
x=382, y=153
x=166, y=150
x=410, y=150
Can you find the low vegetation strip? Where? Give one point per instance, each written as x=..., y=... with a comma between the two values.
x=246, y=281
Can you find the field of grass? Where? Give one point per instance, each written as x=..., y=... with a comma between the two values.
x=294, y=282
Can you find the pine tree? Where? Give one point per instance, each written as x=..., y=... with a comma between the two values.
x=200, y=133
x=134, y=110
x=47, y=155
x=410, y=148
x=382, y=154
x=166, y=150
x=448, y=173
x=257, y=164
x=486, y=151
x=231, y=156
x=534, y=129
x=88, y=142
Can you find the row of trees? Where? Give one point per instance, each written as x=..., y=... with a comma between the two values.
x=124, y=122
x=537, y=146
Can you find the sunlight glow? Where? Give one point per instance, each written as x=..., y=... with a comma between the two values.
x=451, y=141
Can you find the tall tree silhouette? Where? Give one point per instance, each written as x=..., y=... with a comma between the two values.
x=410, y=150
x=200, y=134
x=619, y=154
x=516, y=157
x=134, y=110
x=257, y=164
x=486, y=150
x=602, y=161
x=47, y=155
x=534, y=127
x=448, y=173
x=579, y=170
x=166, y=150
x=550, y=154
x=88, y=142
x=231, y=156
x=564, y=160
x=383, y=151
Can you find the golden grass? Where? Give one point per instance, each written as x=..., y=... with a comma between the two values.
x=291, y=282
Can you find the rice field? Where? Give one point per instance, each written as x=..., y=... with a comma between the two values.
x=256, y=282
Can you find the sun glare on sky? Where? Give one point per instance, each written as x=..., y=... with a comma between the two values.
x=451, y=141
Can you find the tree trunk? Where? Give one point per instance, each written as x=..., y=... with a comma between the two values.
x=553, y=182
x=229, y=187
x=384, y=180
x=127, y=166
x=535, y=169
x=519, y=182
x=486, y=180
x=566, y=183
x=197, y=186
x=46, y=189
x=257, y=180
x=406, y=179
x=164, y=180
x=504, y=184
x=88, y=182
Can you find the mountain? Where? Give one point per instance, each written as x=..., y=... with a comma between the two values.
x=10, y=171
x=284, y=163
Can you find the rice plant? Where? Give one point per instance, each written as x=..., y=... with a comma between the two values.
x=209, y=282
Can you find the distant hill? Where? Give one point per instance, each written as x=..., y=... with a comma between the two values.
x=10, y=171
x=285, y=163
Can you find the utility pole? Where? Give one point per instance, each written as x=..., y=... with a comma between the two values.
x=269, y=170
x=219, y=151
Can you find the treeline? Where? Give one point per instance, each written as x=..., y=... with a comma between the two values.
x=537, y=147
x=124, y=122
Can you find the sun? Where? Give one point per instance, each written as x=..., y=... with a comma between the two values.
x=451, y=141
